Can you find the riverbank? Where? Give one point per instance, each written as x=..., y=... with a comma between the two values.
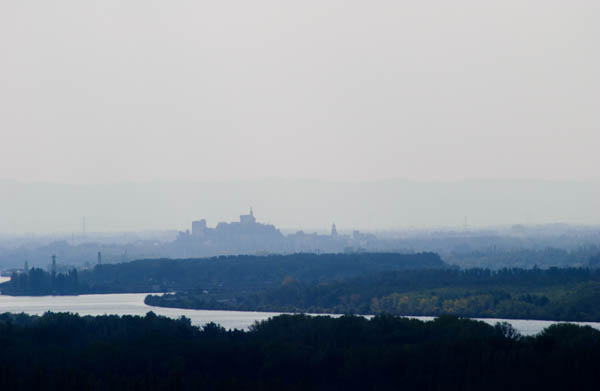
x=133, y=304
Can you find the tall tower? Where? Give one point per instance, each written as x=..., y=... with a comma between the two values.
x=26, y=268
x=334, y=231
x=99, y=258
x=53, y=264
x=249, y=218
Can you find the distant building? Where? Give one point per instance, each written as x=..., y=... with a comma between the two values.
x=248, y=219
x=198, y=227
x=243, y=236
x=249, y=236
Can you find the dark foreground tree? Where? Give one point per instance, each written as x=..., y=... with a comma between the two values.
x=64, y=352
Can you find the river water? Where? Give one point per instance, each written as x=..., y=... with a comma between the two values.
x=133, y=304
x=125, y=304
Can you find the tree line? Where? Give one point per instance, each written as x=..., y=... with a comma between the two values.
x=493, y=257
x=69, y=352
x=37, y=282
x=571, y=294
x=225, y=273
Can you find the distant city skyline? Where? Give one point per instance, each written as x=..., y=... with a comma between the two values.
x=308, y=205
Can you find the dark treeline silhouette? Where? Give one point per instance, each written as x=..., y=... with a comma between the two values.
x=225, y=273
x=37, y=282
x=494, y=257
x=68, y=352
x=595, y=260
x=552, y=294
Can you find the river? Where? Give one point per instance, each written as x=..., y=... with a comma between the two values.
x=124, y=304
x=133, y=304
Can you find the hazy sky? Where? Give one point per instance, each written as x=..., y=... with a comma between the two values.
x=139, y=90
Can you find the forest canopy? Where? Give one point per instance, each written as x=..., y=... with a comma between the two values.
x=571, y=294
x=69, y=352
x=230, y=273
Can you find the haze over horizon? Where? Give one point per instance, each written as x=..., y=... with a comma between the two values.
x=296, y=204
x=104, y=92
x=121, y=97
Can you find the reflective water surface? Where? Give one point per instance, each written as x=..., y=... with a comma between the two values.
x=133, y=304
x=524, y=326
x=124, y=304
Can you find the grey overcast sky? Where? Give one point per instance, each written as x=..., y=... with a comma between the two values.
x=142, y=90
